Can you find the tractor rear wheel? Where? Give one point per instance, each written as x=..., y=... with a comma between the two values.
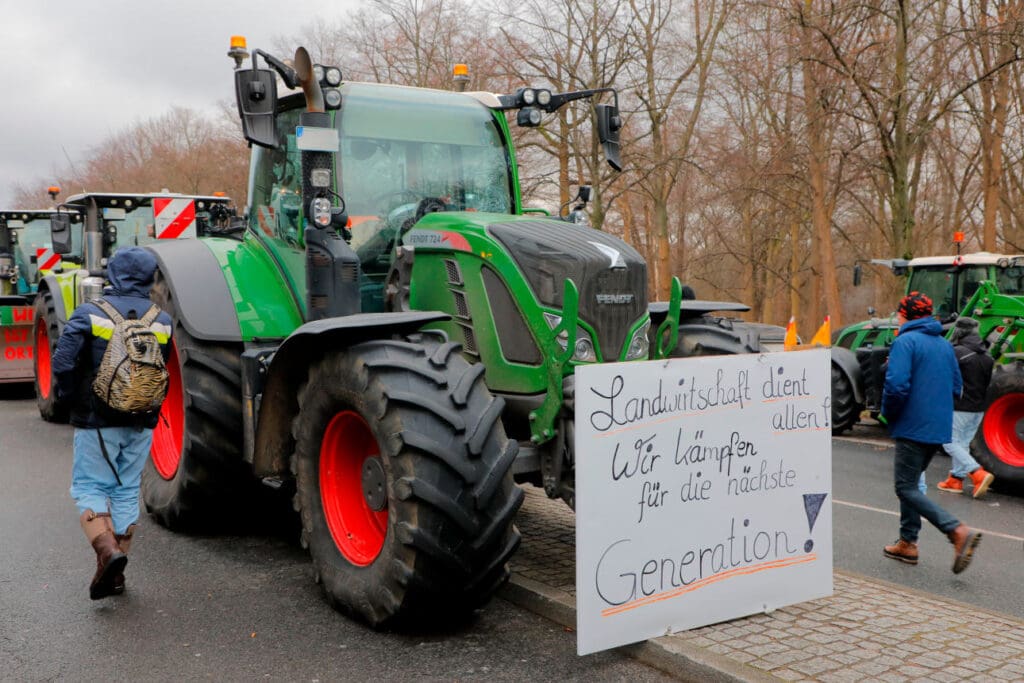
x=999, y=444
x=195, y=473
x=45, y=335
x=845, y=411
x=403, y=481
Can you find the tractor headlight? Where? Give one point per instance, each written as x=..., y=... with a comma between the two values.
x=332, y=75
x=543, y=97
x=529, y=117
x=528, y=96
x=321, y=211
x=318, y=73
x=639, y=346
x=583, y=350
x=332, y=98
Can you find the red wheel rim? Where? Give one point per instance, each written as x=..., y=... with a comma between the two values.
x=44, y=371
x=168, y=436
x=358, y=530
x=1003, y=419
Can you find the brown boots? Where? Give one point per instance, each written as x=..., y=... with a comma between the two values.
x=901, y=550
x=110, y=560
x=964, y=542
x=124, y=542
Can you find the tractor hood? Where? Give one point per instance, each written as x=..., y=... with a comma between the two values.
x=610, y=274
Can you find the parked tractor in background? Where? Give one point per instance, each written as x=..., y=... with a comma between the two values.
x=393, y=338
x=86, y=230
x=987, y=287
x=24, y=252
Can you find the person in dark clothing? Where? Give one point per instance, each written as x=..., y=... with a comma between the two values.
x=968, y=408
x=917, y=402
x=110, y=449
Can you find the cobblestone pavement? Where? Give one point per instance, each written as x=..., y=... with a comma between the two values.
x=862, y=632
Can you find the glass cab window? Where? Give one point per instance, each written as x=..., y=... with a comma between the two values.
x=406, y=152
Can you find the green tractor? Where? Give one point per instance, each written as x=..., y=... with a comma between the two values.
x=393, y=337
x=86, y=230
x=24, y=251
x=984, y=286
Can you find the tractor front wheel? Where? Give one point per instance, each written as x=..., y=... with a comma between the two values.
x=403, y=481
x=845, y=410
x=45, y=334
x=195, y=476
x=999, y=444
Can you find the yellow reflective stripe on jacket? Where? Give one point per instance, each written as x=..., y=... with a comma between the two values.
x=162, y=332
x=103, y=328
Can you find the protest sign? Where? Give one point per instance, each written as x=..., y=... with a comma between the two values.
x=703, y=491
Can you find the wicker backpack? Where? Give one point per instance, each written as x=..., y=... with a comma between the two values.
x=131, y=377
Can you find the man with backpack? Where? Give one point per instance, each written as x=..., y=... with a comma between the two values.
x=109, y=365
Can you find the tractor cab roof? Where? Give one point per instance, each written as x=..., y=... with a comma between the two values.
x=130, y=200
x=979, y=258
x=11, y=216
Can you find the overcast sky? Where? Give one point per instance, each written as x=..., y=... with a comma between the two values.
x=73, y=72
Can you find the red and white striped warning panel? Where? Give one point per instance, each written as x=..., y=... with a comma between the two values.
x=174, y=218
x=46, y=259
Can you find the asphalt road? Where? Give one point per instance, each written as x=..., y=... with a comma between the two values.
x=866, y=517
x=238, y=608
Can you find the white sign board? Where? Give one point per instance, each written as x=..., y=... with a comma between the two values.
x=702, y=491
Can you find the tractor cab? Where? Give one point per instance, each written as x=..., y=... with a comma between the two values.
x=951, y=281
x=25, y=249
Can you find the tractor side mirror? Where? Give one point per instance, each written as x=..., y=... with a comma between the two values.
x=256, y=95
x=858, y=276
x=60, y=233
x=608, y=125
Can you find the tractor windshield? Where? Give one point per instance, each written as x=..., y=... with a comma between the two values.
x=406, y=151
x=32, y=238
x=951, y=288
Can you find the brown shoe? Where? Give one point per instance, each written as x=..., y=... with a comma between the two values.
x=901, y=550
x=124, y=542
x=110, y=561
x=982, y=480
x=964, y=542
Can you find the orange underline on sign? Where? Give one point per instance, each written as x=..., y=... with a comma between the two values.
x=739, y=571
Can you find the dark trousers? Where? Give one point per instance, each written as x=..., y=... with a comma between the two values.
x=912, y=458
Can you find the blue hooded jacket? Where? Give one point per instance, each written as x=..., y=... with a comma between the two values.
x=920, y=384
x=84, y=339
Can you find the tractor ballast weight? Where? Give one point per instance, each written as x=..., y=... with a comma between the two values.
x=990, y=289
x=392, y=340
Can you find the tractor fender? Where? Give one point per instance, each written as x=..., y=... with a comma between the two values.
x=204, y=304
x=49, y=284
x=288, y=370
x=846, y=361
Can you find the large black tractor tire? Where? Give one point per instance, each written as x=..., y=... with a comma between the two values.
x=711, y=339
x=195, y=478
x=45, y=333
x=403, y=482
x=845, y=409
x=999, y=444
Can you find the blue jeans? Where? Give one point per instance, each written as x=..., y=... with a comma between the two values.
x=912, y=458
x=93, y=483
x=964, y=427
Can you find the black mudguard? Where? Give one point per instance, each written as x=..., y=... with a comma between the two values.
x=205, y=306
x=288, y=367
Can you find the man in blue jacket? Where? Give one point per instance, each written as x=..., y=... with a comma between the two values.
x=921, y=381
x=110, y=447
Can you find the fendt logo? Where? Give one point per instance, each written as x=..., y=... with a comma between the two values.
x=174, y=217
